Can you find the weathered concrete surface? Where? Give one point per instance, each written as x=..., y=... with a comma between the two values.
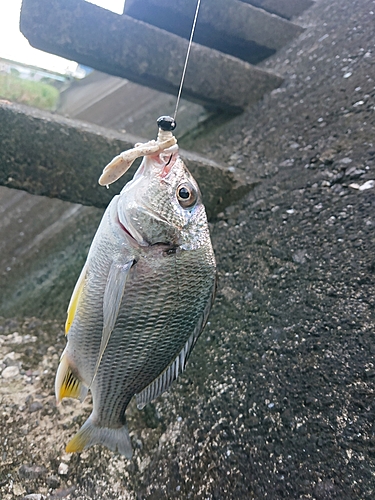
x=277, y=401
x=230, y=26
x=78, y=30
x=49, y=155
x=43, y=246
x=116, y=103
x=283, y=8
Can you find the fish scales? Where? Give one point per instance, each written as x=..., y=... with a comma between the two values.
x=157, y=344
x=141, y=302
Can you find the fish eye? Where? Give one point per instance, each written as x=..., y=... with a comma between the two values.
x=186, y=195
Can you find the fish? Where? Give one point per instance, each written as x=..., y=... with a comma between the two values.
x=142, y=299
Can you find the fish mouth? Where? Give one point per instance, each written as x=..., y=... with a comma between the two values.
x=170, y=161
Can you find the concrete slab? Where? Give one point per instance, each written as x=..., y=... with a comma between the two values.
x=283, y=8
x=117, y=103
x=49, y=155
x=123, y=46
x=43, y=246
x=230, y=26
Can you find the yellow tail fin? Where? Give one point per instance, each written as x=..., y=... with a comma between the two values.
x=116, y=439
x=77, y=443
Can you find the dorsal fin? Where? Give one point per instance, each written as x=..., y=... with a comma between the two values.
x=76, y=295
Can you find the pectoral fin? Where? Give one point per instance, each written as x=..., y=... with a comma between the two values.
x=113, y=294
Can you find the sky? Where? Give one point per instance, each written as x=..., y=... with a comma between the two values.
x=14, y=46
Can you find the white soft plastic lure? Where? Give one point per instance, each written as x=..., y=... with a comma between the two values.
x=144, y=293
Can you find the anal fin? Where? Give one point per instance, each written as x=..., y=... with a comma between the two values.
x=165, y=379
x=67, y=384
x=170, y=374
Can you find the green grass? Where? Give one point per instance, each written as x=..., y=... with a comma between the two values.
x=38, y=94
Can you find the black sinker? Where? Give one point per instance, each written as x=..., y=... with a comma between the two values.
x=166, y=123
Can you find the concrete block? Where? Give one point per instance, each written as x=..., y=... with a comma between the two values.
x=123, y=46
x=49, y=155
x=283, y=8
x=43, y=246
x=229, y=26
x=116, y=103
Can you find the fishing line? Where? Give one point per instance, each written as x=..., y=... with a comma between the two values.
x=187, y=58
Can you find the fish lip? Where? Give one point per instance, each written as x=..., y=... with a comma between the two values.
x=169, y=164
x=162, y=163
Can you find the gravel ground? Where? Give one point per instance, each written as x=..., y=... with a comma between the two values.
x=278, y=398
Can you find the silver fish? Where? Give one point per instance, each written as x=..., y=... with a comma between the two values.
x=141, y=301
